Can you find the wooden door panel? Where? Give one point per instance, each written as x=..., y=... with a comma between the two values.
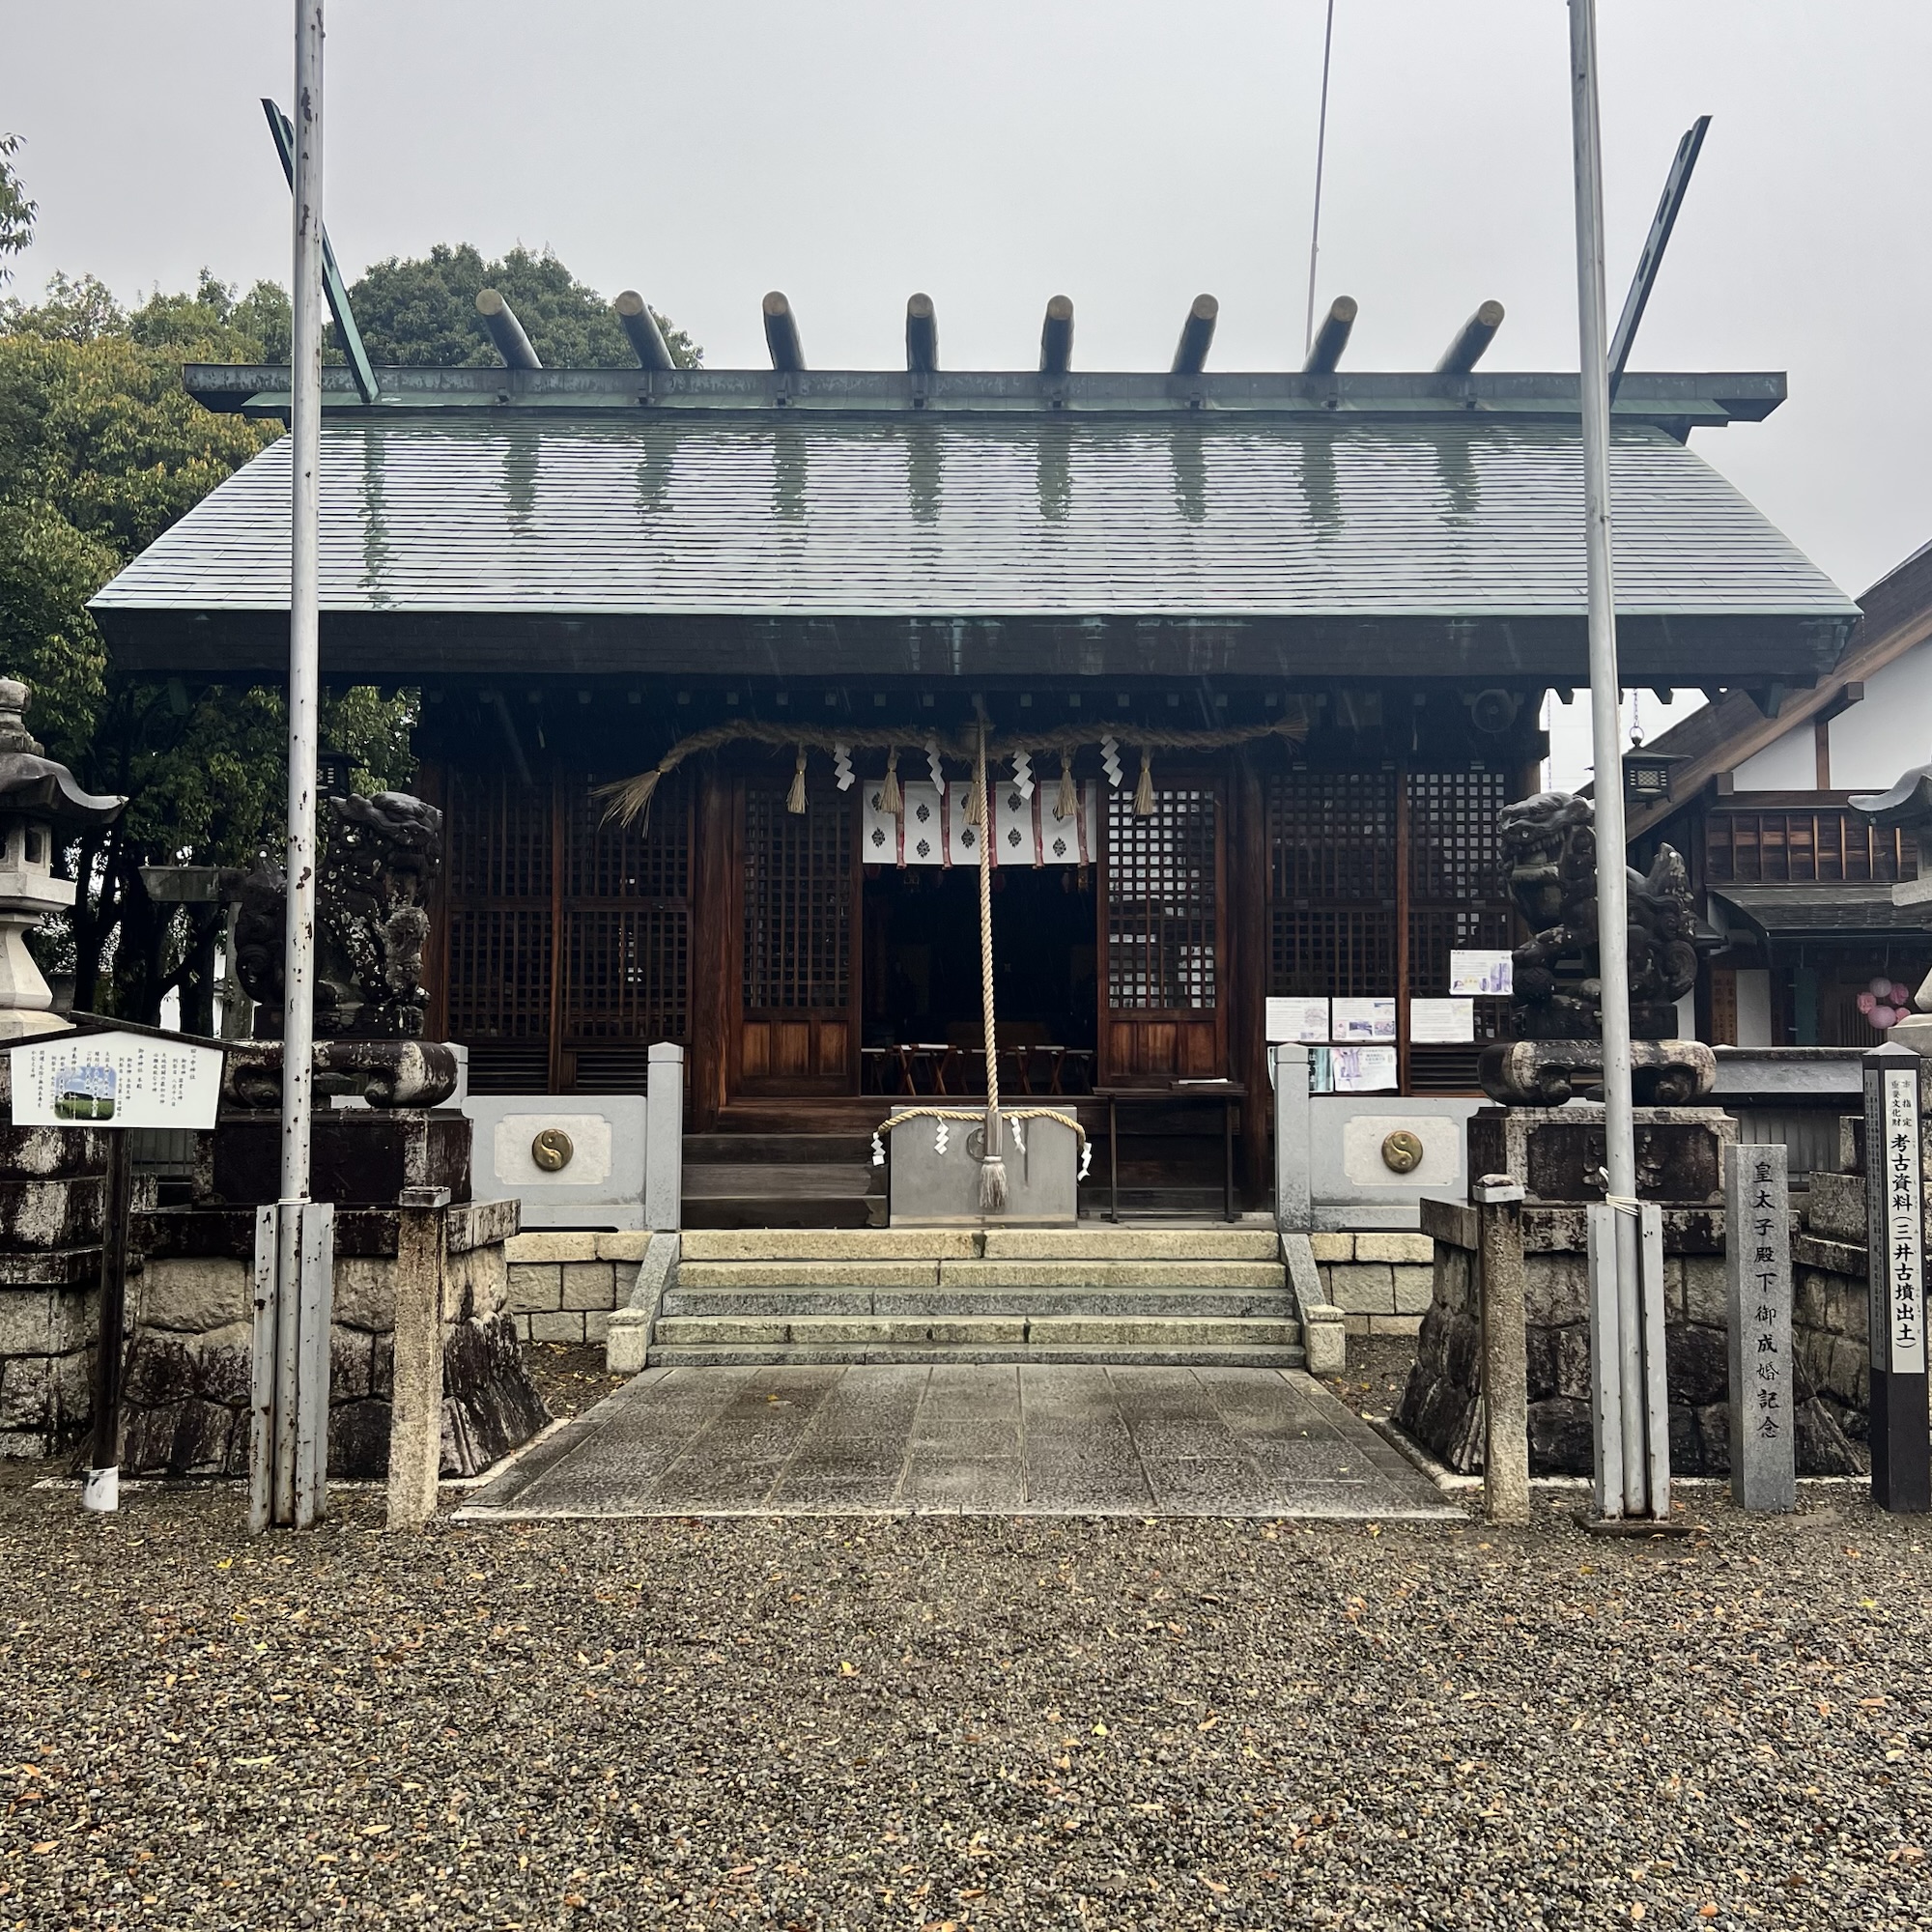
x=1164, y=938
x=798, y=982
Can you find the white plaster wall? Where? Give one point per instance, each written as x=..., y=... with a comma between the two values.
x=1889, y=731
x=1789, y=763
x=1754, y=1007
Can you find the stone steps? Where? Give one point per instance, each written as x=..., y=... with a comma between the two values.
x=1214, y=1294
x=731, y=1299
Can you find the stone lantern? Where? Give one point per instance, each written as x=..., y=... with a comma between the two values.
x=39, y=800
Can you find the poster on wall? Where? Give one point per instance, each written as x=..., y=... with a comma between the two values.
x=1442, y=1022
x=1478, y=975
x=1297, y=1021
x=1363, y=1069
x=1362, y=1020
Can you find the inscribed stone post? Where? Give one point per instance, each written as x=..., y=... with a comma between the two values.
x=1757, y=1281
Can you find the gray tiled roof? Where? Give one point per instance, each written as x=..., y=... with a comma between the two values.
x=1823, y=911
x=995, y=516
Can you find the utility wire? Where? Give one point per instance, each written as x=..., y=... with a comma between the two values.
x=1320, y=153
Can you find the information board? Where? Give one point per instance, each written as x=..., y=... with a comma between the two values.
x=1442, y=1022
x=1476, y=976
x=115, y=1080
x=1897, y=1171
x=1297, y=1021
x=1362, y=1021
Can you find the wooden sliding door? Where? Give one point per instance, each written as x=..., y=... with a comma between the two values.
x=1163, y=936
x=798, y=1023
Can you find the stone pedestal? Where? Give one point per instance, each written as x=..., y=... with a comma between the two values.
x=1556, y=1154
x=53, y=1181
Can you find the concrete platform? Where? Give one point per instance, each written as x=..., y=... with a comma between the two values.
x=1035, y=1439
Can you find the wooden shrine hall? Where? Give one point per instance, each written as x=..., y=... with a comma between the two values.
x=1261, y=656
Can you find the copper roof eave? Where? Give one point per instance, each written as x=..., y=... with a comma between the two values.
x=1678, y=402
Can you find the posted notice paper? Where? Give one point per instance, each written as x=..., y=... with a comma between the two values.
x=1298, y=1021
x=1362, y=1020
x=1476, y=976
x=1364, y=1069
x=1442, y=1022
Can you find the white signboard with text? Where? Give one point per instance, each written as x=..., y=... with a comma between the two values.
x=115, y=1080
x=1896, y=1169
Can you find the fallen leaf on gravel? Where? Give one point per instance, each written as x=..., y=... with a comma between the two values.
x=41, y=1850
x=1708, y=1909
x=1101, y=1731
x=1207, y=1723
x=377, y=1831
x=1636, y=1913
x=1904, y=1855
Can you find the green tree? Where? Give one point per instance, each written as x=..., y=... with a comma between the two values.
x=100, y=450
x=423, y=311
x=17, y=212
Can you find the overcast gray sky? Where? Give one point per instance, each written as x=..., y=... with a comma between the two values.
x=994, y=151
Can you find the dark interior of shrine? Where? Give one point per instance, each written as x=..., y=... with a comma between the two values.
x=922, y=969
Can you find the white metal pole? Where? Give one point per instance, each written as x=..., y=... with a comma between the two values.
x=1612, y=898
x=299, y=945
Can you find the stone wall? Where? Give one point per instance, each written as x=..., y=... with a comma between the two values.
x=191, y=1318
x=563, y=1286
x=1442, y=1406
x=1381, y=1282
x=51, y=1187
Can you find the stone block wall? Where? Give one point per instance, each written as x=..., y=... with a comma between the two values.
x=563, y=1286
x=51, y=1188
x=1381, y=1282
x=1442, y=1404
x=190, y=1318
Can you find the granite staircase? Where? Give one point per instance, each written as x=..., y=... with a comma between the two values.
x=1187, y=1296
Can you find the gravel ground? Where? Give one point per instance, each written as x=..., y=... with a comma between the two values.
x=569, y=1380
x=959, y=1722
x=1376, y=1374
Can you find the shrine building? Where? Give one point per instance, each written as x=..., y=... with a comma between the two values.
x=1260, y=657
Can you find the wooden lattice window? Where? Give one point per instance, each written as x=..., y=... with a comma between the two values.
x=1161, y=914
x=798, y=901
x=498, y=876
x=1455, y=896
x=561, y=929
x=1331, y=883
x=627, y=919
x=1828, y=846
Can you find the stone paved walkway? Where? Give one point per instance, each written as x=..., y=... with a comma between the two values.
x=964, y=1440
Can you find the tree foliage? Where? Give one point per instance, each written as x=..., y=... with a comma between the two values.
x=100, y=450
x=423, y=311
x=17, y=212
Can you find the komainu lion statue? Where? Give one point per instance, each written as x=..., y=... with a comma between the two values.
x=1550, y=849
x=372, y=920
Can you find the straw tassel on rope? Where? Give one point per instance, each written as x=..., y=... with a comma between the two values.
x=1066, y=800
x=1143, y=787
x=992, y=1163
x=795, y=798
x=890, y=798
